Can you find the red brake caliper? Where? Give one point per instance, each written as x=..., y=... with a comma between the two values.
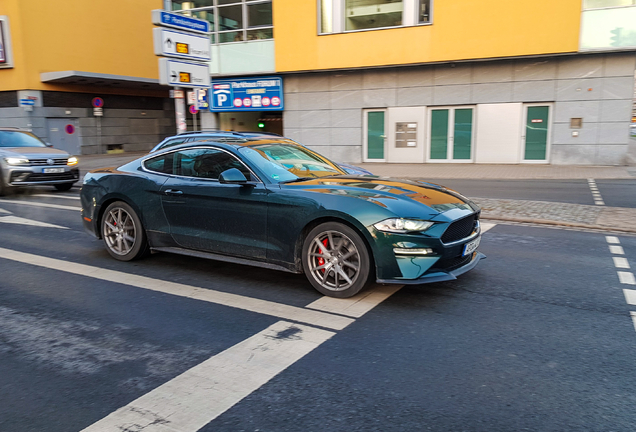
x=321, y=261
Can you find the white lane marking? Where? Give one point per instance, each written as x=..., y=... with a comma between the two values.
x=485, y=226
x=39, y=204
x=612, y=240
x=357, y=305
x=598, y=199
x=626, y=278
x=617, y=250
x=265, y=307
x=21, y=221
x=73, y=197
x=199, y=395
x=633, y=314
x=3, y=211
x=620, y=262
x=630, y=297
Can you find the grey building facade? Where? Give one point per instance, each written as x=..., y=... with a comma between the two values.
x=586, y=101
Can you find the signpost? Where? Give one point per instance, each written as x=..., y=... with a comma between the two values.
x=169, y=19
x=179, y=73
x=170, y=43
x=192, y=44
x=266, y=94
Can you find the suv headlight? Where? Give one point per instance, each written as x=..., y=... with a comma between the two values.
x=72, y=161
x=399, y=225
x=17, y=160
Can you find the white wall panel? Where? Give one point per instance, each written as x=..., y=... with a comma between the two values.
x=498, y=136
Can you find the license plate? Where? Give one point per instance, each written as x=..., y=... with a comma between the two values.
x=472, y=246
x=52, y=170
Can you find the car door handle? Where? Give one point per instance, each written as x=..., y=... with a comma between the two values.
x=173, y=192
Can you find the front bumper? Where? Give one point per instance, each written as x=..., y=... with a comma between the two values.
x=36, y=175
x=438, y=276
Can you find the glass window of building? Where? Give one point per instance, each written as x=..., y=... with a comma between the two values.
x=337, y=16
x=608, y=25
x=232, y=20
x=597, y=4
x=368, y=14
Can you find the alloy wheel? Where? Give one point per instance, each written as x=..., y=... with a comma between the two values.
x=334, y=260
x=120, y=232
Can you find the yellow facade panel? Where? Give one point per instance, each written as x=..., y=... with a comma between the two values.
x=88, y=36
x=461, y=30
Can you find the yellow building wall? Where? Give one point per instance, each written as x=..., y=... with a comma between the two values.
x=461, y=30
x=100, y=36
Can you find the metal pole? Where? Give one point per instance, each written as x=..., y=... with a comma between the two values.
x=180, y=112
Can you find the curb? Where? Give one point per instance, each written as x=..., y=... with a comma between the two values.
x=485, y=216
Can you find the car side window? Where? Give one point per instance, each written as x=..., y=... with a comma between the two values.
x=161, y=164
x=207, y=163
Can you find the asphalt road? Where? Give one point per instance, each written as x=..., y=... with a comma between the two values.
x=537, y=337
x=615, y=193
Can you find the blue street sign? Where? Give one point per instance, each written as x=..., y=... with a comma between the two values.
x=250, y=94
x=182, y=22
x=27, y=102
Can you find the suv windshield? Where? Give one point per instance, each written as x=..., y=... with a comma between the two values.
x=19, y=139
x=283, y=162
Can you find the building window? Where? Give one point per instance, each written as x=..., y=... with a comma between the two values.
x=608, y=25
x=337, y=16
x=597, y=4
x=369, y=14
x=232, y=20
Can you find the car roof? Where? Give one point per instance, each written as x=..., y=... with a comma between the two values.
x=231, y=141
x=219, y=133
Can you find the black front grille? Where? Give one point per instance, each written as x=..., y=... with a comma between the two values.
x=52, y=177
x=460, y=229
x=43, y=162
x=450, y=264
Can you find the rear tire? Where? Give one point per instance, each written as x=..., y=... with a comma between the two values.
x=63, y=187
x=122, y=232
x=336, y=260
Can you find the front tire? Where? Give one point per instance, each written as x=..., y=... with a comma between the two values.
x=122, y=232
x=4, y=188
x=336, y=260
x=63, y=187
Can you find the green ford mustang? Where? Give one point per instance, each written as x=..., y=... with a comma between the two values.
x=270, y=202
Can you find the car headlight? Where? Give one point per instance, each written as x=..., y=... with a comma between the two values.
x=72, y=161
x=399, y=225
x=17, y=161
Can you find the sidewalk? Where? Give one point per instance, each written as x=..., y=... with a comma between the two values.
x=538, y=212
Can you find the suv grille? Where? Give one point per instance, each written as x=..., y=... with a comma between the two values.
x=41, y=162
x=460, y=229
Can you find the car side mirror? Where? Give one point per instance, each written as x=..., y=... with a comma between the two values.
x=232, y=176
x=48, y=144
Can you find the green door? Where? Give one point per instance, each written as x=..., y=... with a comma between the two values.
x=537, y=132
x=452, y=124
x=375, y=135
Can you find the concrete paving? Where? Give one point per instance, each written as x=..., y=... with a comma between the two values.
x=538, y=212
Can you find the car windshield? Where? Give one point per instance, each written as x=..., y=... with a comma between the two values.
x=19, y=139
x=283, y=162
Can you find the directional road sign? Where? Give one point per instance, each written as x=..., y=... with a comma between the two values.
x=178, y=73
x=181, y=22
x=187, y=46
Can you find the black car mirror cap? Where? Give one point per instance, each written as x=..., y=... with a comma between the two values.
x=232, y=176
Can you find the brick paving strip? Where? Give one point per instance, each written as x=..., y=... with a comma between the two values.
x=561, y=214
